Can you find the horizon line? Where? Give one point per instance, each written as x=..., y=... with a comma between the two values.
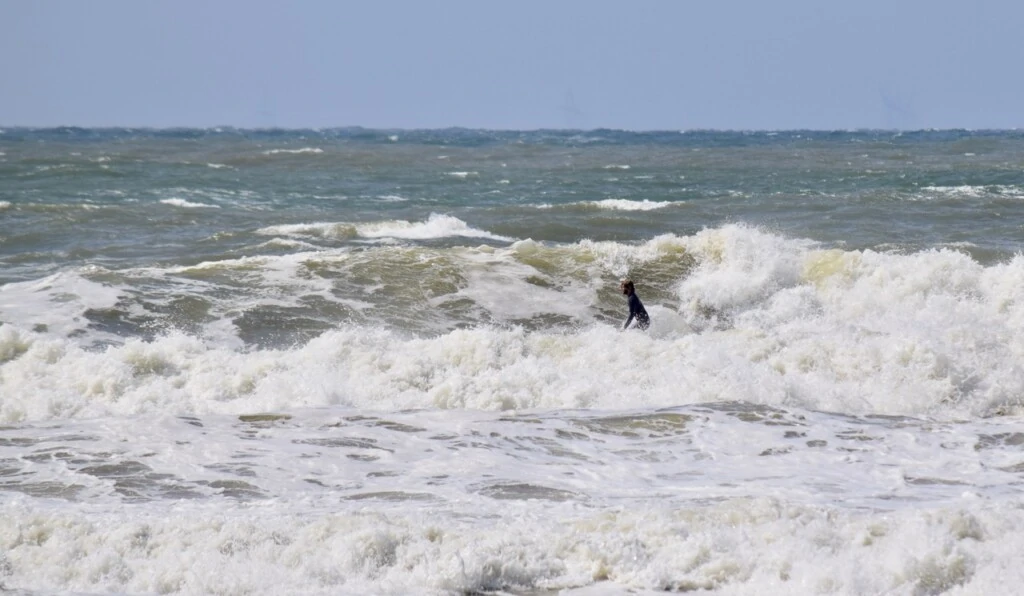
x=217, y=128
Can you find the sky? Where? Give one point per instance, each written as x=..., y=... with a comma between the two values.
x=528, y=64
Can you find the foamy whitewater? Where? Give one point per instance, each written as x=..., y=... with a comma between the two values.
x=391, y=362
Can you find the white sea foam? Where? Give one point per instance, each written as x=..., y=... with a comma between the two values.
x=849, y=349
x=963, y=190
x=338, y=501
x=436, y=226
x=756, y=317
x=178, y=202
x=293, y=151
x=60, y=166
x=462, y=174
x=217, y=166
x=628, y=205
x=330, y=231
x=380, y=416
x=288, y=243
x=55, y=302
x=994, y=190
x=277, y=275
x=700, y=455
x=192, y=198
x=743, y=546
x=616, y=167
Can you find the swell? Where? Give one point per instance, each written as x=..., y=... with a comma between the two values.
x=739, y=315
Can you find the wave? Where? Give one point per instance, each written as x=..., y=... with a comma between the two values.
x=176, y=202
x=736, y=546
x=313, y=150
x=615, y=205
x=436, y=226
x=856, y=372
x=739, y=314
x=977, y=191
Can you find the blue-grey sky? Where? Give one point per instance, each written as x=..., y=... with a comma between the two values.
x=642, y=64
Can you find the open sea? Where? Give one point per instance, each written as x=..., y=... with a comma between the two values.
x=355, y=361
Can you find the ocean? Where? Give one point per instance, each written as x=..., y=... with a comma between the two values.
x=353, y=361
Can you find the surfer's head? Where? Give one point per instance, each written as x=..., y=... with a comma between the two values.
x=627, y=287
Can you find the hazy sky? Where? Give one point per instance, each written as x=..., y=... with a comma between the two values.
x=520, y=64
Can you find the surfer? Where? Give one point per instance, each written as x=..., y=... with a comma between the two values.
x=636, y=308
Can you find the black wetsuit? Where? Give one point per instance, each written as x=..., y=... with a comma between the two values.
x=636, y=309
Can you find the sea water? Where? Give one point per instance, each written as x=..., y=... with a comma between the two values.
x=353, y=361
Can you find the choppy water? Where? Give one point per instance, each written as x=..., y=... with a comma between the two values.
x=355, y=361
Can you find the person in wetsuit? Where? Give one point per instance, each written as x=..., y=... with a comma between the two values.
x=636, y=308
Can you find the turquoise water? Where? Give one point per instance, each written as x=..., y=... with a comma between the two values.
x=112, y=191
